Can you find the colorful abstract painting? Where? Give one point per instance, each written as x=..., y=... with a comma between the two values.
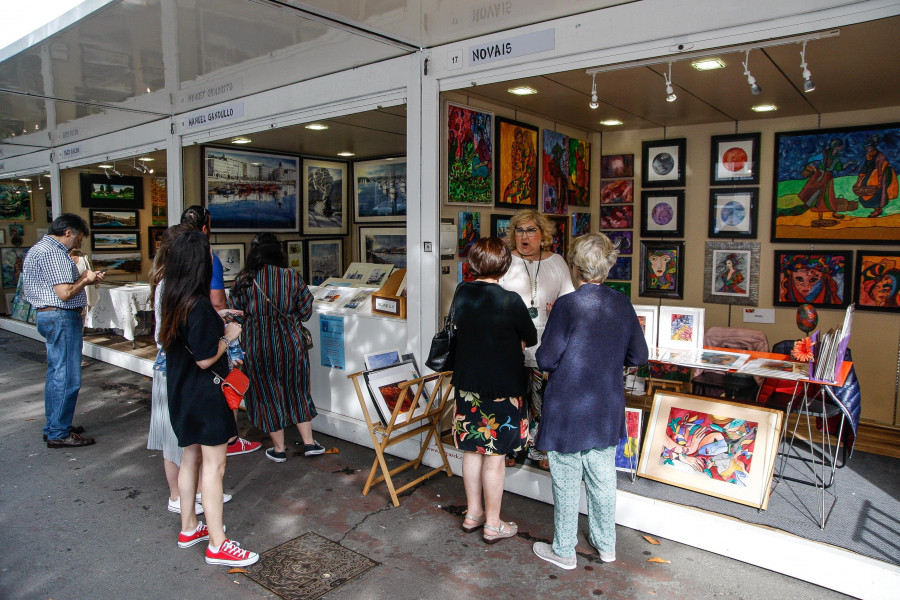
x=878, y=281
x=159, y=202
x=622, y=268
x=616, y=165
x=12, y=259
x=15, y=202
x=618, y=191
x=616, y=217
x=822, y=279
x=625, y=240
x=469, y=231
x=579, y=172
x=581, y=224
x=469, y=155
x=559, y=242
x=517, y=164
x=555, y=173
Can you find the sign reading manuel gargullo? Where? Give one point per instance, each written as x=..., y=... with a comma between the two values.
x=213, y=115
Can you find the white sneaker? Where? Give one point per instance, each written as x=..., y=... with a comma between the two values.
x=545, y=551
x=175, y=507
x=225, y=498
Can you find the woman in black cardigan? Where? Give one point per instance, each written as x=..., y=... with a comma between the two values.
x=492, y=330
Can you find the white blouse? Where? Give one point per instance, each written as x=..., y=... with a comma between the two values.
x=553, y=280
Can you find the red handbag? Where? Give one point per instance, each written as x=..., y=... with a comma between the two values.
x=234, y=386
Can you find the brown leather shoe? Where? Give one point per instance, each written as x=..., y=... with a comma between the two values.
x=74, y=429
x=73, y=441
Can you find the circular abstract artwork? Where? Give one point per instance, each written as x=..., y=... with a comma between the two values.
x=662, y=213
x=734, y=159
x=733, y=213
x=663, y=163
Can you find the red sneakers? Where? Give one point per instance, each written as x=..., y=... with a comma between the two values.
x=200, y=534
x=231, y=554
x=242, y=446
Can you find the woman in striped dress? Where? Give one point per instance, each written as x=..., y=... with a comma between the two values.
x=275, y=300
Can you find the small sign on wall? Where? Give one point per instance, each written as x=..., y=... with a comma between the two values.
x=759, y=315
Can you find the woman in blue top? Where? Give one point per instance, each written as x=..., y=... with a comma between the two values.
x=591, y=334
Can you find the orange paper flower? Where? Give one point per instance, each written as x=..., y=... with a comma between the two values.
x=802, y=350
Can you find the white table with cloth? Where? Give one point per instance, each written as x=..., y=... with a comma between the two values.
x=118, y=308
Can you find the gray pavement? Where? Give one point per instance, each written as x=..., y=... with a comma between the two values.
x=92, y=522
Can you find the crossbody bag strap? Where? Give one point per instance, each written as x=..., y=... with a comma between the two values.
x=272, y=304
x=217, y=379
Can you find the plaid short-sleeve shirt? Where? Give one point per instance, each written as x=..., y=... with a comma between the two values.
x=48, y=264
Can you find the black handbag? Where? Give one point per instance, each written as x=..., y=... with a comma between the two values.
x=443, y=345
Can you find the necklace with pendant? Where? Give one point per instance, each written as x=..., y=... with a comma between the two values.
x=533, y=283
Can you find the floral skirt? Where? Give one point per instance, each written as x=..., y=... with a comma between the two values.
x=489, y=426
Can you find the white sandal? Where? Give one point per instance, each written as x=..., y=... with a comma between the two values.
x=506, y=530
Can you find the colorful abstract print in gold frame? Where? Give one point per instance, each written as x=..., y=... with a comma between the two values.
x=838, y=185
x=469, y=156
x=517, y=164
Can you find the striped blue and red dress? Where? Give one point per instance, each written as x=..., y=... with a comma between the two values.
x=276, y=361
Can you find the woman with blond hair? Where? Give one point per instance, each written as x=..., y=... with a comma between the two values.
x=539, y=277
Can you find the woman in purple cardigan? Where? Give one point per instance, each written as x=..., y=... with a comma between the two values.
x=591, y=334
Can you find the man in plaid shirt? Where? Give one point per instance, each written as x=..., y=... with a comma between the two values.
x=52, y=285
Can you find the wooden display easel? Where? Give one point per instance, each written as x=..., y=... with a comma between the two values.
x=393, y=433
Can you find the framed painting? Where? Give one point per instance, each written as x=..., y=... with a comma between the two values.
x=12, y=260
x=159, y=202
x=614, y=166
x=627, y=449
x=648, y=317
x=113, y=219
x=617, y=191
x=326, y=259
x=500, y=226
x=624, y=239
x=822, y=278
x=731, y=273
x=469, y=231
x=616, y=217
x=663, y=163
x=733, y=213
x=619, y=286
x=154, y=237
x=113, y=191
x=232, y=257
x=383, y=385
x=734, y=159
x=379, y=189
x=555, y=173
x=115, y=240
x=621, y=269
x=837, y=185
x=662, y=213
x=581, y=224
x=877, y=281
x=247, y=191
x=324, y=197
x=296, y=256
x=517, y=164
x=15, y=202
x=680, y=328
x=3, y=237
x=662, y=269
x=714, y=447
x=470, y=164
x=16, y=230
x=559, y=241
x=117, y=264
x=382, y=245
x=579, y=172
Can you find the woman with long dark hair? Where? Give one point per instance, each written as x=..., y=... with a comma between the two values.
x=275, y=300
x=196, y=343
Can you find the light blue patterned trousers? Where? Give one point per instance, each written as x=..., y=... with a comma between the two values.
x=598, y=468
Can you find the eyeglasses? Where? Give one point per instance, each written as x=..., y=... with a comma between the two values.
x=526, y=232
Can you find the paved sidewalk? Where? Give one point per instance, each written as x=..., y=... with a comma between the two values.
x=92, y=522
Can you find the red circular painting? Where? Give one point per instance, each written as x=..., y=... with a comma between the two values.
x=734, y=159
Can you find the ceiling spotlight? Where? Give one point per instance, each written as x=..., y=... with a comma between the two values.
x=317, y=126
x=670, y=93
x=346, y=154
x=522, y=90
x=594, y=104
x=708, y=64
x=146, y=159
x=754, y=87
x=105, y=166
x=808, y=84
x=241, y=140
x=764, y=108
x=611, y=122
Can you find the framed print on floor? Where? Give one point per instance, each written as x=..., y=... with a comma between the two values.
x=113, y=219
x=470, y=171
x=326, y=259
x=733, y=213
x=379, y=189
x=662, y=213
x=648, y=317
x=822, y=278
x=662, y=269
x=385, y=392
x=877, y=281
x=517, y=164
x=663, y=163
x=734, y=159
x=714, y=447
x=837, y=185
x=247, y=191
x=680, y=328
x=382, y=245
x=324, y=197
x=232, y=257
x=731, y=274
x=627, y=449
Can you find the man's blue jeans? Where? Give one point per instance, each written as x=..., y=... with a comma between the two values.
x=62, y=330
